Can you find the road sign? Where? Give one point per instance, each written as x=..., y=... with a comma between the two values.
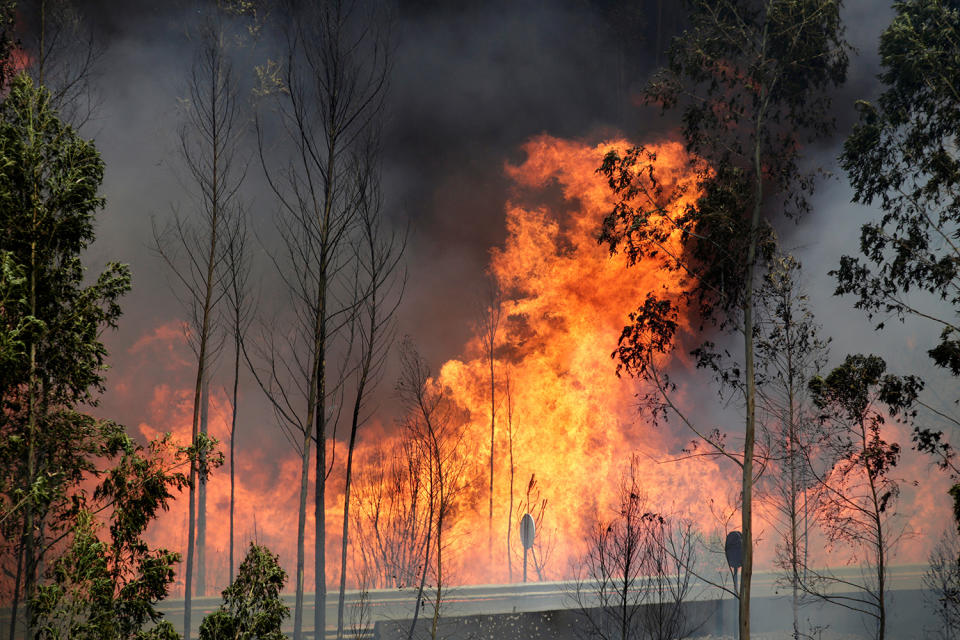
x=527, y=530
x=733, y=549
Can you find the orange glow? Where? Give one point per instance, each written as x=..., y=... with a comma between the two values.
x=575, y=423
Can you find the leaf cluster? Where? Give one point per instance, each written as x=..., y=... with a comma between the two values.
x=108, y=588
x=903, y=154
x=750, y=80
x=252, y=608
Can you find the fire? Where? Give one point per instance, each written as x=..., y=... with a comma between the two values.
x=574, y=422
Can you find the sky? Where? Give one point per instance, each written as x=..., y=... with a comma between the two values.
x=472, y=83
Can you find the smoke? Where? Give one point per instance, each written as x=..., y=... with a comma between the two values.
x=472, y=84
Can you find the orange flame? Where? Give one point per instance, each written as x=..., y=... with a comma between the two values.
x=574, y=422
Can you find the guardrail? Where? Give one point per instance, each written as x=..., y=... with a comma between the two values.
x=397, y=604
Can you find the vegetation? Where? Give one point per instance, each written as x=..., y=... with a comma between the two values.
x=746, y=87
x=750, y=82
x=252, y=608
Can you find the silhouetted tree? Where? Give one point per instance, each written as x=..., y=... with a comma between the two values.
x=857, y=495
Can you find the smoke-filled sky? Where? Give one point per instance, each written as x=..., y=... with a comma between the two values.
x=472, y=82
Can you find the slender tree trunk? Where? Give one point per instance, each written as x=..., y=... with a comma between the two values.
x=492, y=434
x=426, y=565
x=16, y=593
x=302, y=523
x=440, y=514
x=349, y=477
x=510, y=509
x=792, y=452
x=320, y=470
x=880, y=552
x=29, y=542
x=202, y=498
x=233, y=436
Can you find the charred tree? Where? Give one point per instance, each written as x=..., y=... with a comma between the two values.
x=381, y=280
x=328, y=91
x=195, y=247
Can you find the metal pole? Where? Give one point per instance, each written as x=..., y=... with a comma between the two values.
x=524, y=564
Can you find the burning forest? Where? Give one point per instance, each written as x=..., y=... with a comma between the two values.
x=370, y=317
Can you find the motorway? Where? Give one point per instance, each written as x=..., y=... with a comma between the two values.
x=397, y=604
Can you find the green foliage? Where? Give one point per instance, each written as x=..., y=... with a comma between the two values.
x=854, y=397
x=903, y=153
x=750, y=81
x=48, y=195
x=108, y=589
x=252, y=608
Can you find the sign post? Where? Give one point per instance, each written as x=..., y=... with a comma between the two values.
x=527, y=531
x=733, y=549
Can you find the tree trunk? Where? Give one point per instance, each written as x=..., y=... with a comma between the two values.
x=492, y=433
x=510, y=509
x=202, y=498
x=346, y=491
x=233, y=438
x=301, y=526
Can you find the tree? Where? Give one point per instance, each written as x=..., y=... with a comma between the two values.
x=381, y=280
x=489, y=323
x=789, y=353
x=107, y=590
x=61, y=53
x=196, y=252
x=329, y=92
x=857, y=495
x=436, y=429
x=750, y=80
x=391, y=525
x=941, y=584
x=638, y=571
x=48, y=197
x=903, y=154
x=252, y=606
x=240, y=311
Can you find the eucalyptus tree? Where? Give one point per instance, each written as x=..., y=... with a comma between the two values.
x=54, y=359
x=857, y=493
x=903, y=154
x=750, y=80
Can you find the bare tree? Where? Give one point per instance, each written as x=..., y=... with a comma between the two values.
x=196, y=252
x=857, y=495
x=329, y=92
x=240, y=315
x=391, y=526
x=489, y=324
x=638, y=571
x=380, y=289
x=789, y=353
x=64, y=54
x=436, y=428
x=941, y=584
